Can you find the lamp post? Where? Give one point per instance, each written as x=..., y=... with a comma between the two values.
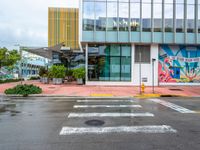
x=20, y=63
x=153, y=60
x=140, y=71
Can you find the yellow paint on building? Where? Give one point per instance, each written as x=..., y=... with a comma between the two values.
x=63, y=27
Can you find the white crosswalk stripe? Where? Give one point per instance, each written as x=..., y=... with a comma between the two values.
x=107, y=106
x=87, y=115
x=119, y=129
x=96, y=103
x=103, y=101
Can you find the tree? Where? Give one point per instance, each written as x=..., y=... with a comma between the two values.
x=8, y=58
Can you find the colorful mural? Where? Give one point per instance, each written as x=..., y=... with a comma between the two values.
x=179, y=64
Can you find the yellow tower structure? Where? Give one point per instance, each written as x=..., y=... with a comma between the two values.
x=63, y=27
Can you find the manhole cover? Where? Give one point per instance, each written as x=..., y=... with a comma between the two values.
x=176, y=89
x=51, y=87
x=94, y=122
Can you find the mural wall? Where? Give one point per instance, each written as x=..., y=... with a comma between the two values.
x=179, y=64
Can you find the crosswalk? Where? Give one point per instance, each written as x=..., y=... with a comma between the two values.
x=100, y=109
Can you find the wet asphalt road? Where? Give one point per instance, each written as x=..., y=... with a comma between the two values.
x=35, y=124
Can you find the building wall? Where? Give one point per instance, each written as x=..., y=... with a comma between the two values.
x=63, y=26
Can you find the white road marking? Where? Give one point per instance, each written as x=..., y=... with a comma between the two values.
x=173, y=106
x=107, y=106
x=86, y=115
x=101, y=101
x=120, y=129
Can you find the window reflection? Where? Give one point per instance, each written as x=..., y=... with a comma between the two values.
x=123, y=16
x=146, y=16
x=109, y=63
x=190, y=17
x=169, y=16
x=135, y=16
x=100, y=11
x=180, y=17
x=112, y=16
x=88, y=16
x=157, y=17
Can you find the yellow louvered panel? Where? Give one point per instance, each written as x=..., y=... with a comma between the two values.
x=63, y=27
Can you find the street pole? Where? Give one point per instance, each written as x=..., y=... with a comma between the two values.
x=140, y=71
x=153, y=89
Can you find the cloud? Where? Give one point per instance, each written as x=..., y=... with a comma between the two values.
x=26, y=22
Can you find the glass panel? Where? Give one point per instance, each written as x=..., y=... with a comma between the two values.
x=168, y=17
x=88, y=16
x=115, y=68
x=114, y=50
x=135, y=17
x=190, y=18
x=112, y=16
x=100, y=10
x=123, y=16
x=109, y=63
x=179, y=17
x=146, y=16
x=125, y=68
x=126, y=50
x=157, y=17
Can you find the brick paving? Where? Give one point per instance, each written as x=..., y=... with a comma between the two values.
x=71, y=89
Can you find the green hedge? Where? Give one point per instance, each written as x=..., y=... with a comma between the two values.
x=10, y=80
x=24, y=90
x=34, y=78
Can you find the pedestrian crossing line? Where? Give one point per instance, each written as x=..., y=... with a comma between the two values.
x=107, y=106
x=102, y=101
x=173, y=106
x=119, y=129
x=87, y=115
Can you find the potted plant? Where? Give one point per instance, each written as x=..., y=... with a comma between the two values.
x=69, y=75
x=57, y=72
x=43, y=75
x=79, y=74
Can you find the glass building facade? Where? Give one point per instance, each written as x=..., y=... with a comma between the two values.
x=157, y=21
x=116, y=32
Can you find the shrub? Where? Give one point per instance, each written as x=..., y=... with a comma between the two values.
x=34, y=78
x=10, y=80
x=57, y=71
x=79, y=73
x=24, y=90
x=43, y=71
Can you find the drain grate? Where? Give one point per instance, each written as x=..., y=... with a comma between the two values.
x=94, y=122
x=176, y=89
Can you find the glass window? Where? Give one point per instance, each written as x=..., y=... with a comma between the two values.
x=145, y=53
x=112, y=16
x=146, y=17
x=109, y=63
x=179, y=17
x=190, y=18
x=123, y=16
x=88, y=16
x=135, y=16
x=168, y=16
x=100, y=11
x=157, y=17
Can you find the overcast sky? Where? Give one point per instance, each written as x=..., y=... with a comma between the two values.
x=25, y=22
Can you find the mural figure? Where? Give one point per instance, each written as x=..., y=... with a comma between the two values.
x=179, y=64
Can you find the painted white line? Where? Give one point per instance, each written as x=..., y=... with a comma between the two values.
x=101, y=101
x=120, y=129
x=107, y=106
x=173, y=106
x=86, y=115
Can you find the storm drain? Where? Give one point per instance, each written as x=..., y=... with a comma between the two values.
x=94, y=122
x=176, y=89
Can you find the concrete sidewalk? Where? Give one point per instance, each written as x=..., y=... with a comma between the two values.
x=71, y=89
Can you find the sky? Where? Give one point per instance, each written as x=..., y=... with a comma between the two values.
x=25, y=22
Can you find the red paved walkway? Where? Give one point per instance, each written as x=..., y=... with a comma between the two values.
x=83, y=90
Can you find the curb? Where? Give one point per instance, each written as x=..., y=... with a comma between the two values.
x=145, y=96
